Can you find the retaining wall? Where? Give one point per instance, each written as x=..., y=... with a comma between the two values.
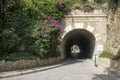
x=25, y=64
x=109, y=63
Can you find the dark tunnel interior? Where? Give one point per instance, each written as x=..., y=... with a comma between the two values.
x=82, y=38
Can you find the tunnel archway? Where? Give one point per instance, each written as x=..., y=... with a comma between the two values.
x=84, y=39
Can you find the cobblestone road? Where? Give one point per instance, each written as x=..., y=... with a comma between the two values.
x=72, y=70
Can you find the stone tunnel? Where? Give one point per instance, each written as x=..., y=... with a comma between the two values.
x=86, y=30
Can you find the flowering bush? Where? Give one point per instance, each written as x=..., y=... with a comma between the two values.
x=34, y=23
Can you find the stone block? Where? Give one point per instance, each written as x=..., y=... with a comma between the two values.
x=22, y=64
x=38, y=62
x=14, y=65
x=29, y=64
x=46, y=62
x=52, y=60
x=33, y=63
x=2, y=65
x=9, y=66
x=58, y=59
x=26, y=64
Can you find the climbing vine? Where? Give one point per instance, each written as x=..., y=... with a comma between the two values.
x=34, y=23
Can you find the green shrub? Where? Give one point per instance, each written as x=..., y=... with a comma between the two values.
x=8, y=41
x=106, y=54
x=19, y=56
x=117, y=57
x=113, y=5
x=36, y=24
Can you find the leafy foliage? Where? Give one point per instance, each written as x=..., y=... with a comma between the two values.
x=106, y=54
x=113, y=4
x=35, y=23
x=117, y=57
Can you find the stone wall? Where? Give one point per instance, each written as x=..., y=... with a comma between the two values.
x=113, y=34
x=109, y=63
x=26, y=64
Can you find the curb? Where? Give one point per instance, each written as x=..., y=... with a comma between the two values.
x=28, y=71
x=26, y=64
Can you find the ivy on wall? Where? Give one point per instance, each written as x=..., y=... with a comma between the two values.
x=34, y=23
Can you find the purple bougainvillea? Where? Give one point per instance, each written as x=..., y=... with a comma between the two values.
x=1, y=10
x=59, y=27
x=48, y=18
x=54, y=24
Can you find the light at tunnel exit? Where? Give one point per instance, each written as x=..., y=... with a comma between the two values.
x=75, y=51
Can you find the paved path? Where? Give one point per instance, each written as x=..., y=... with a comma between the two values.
x=71, y=70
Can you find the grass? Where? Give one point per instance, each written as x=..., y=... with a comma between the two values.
x=106, y=54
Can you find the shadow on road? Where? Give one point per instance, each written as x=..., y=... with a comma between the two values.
x=109, y=75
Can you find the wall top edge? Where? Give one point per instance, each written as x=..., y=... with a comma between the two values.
x=86, y=15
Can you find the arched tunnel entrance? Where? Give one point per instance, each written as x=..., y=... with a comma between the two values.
x=83, y=39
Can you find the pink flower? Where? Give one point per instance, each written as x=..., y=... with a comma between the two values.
x=59, y=27
x=48, y=18
x=54, y=24
x=1, y=10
